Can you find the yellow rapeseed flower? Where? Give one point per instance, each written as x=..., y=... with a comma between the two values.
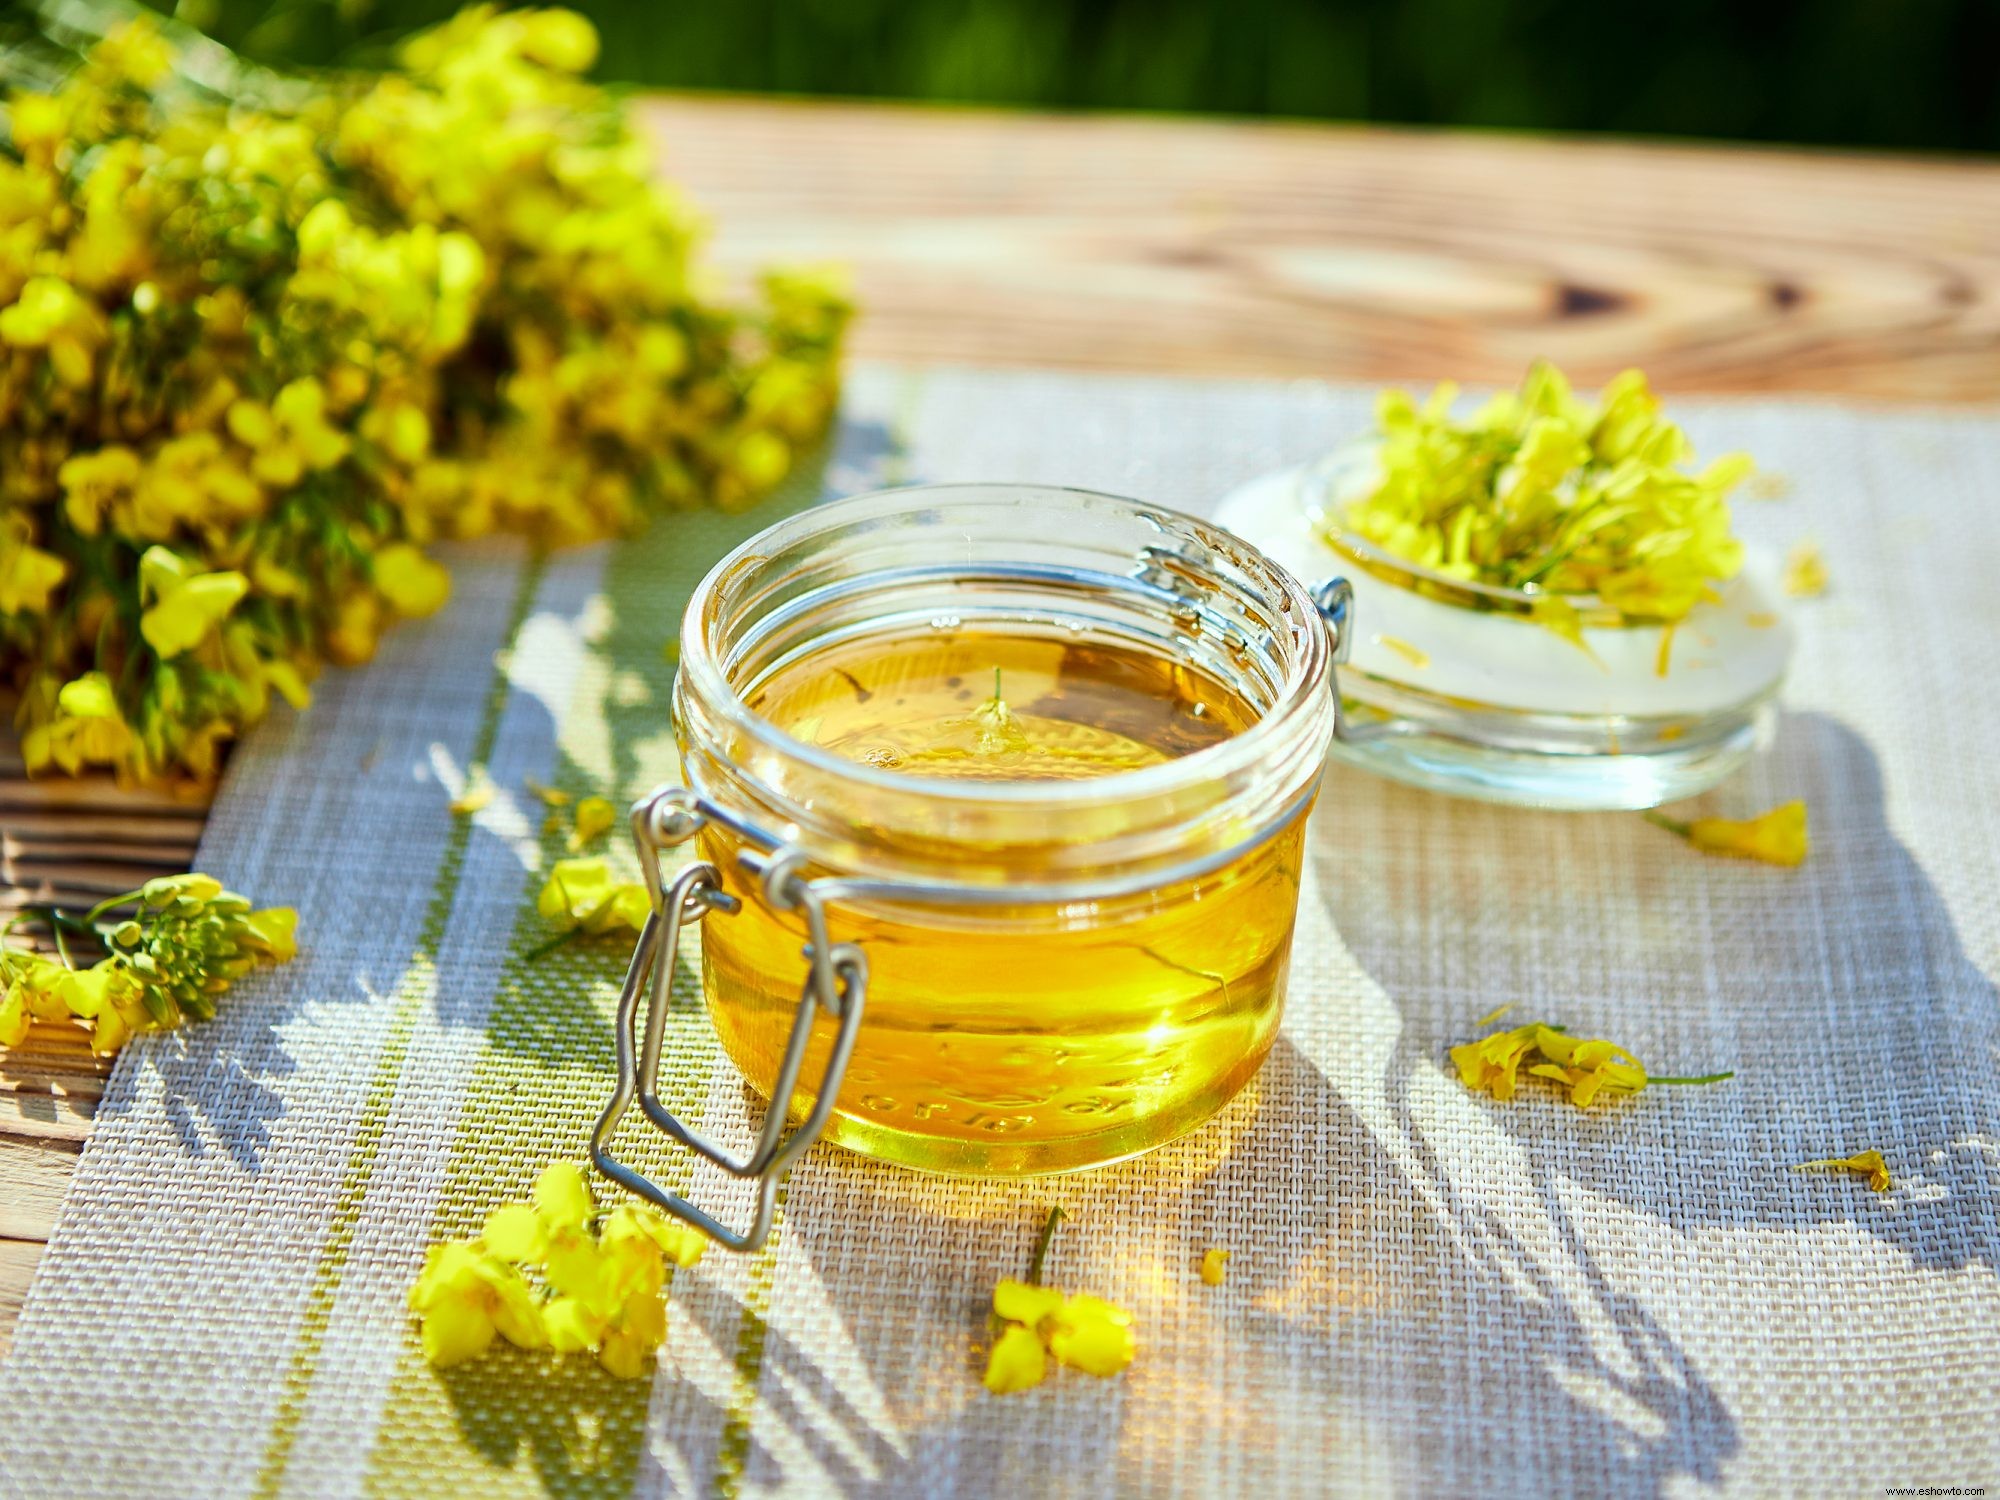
x=49, y=315
x=291, y=436
x=413, y=584
x=1868, y=1164
x=1777, y=837
x=88, y=729
x=476, y=794
x=1084, y=1332
x=183, y=605
x=581, y=895
x=28, y=575
x=1214, y=1266
x=1586, y=1067
x=594, y=815
x=555, y=1273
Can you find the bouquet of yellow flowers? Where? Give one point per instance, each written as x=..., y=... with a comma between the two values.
x=264, y=340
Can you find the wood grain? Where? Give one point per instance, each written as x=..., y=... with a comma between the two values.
x=1205, y=247
x=1123, y=243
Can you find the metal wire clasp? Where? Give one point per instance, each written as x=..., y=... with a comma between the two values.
x=836, y=982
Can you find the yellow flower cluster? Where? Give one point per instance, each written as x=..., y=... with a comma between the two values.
x=1034, y=1321
x=186, y=941
x=1540, y=490
x=555, y=1273
x=581, y=897
x=1588, y=1069
x=257, y=353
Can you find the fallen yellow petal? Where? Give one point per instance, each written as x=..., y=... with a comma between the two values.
x=1778, y=837
x=1805, y=571
x=476, y=795
x=1093, y=1336
x=1214, y=1266
x=1017, y=1362
x=593, y=816
x=1867, y=1164
x=549, y=796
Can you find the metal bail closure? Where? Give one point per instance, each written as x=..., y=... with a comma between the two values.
x=1335, y=600
x=836, y=981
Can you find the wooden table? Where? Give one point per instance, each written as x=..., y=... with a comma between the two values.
x=1122, y=243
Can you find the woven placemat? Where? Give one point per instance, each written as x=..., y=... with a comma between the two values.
x=1430, y=1292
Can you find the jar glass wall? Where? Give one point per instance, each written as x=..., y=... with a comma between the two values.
x=1075, y=885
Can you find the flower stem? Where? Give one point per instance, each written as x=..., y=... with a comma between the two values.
x=542, y=950
x=109, y=903
x=1661, y=820
x=1056, y=1216
x=1704, y=1078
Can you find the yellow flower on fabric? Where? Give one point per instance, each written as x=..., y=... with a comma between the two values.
x=1084, y=1332
x=562, y=1196
x=1018, y=1360
x=1805, y=571
x=1777, y=837
x=593, y=816
x=1026, y=1302
x=28, y=575
x=186, y=605
x=581, y=894
x=1491, y=1064
x=1092, y=1335
x=464, y=1297
x=1587, y=1067
x=275, y=931
x=1868, y=1164
x=556, y=1273
x=477, y=794
x=414, y=584
x=1214, y=1266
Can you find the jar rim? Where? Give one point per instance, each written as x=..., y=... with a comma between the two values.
x=1307, y=676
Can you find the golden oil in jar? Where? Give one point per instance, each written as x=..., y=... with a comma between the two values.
x=1003, y=1037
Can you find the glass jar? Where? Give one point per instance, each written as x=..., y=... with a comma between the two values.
x=1466, y=688
x=1005, y=971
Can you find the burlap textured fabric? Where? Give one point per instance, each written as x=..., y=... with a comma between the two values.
x=1430, y=1293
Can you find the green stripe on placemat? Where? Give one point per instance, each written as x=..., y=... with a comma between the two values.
x=518, y=1422
x=419, y=984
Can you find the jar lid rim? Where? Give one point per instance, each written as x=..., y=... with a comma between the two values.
x=1307, y=678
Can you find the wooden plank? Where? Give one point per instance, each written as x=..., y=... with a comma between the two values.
x=34, y=1175
x=18, y=1259
x=1132, y=243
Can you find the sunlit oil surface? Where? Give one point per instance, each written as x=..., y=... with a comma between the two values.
x=1020, y=1038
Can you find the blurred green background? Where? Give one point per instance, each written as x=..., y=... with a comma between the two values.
x=1890, y=73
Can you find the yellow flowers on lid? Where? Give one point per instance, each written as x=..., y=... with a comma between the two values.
x=1868, y=1164
x=1084, y=1332
x=1587, y=1069
x=555, y=1273
x=1777, y=837
x=1541, y=490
